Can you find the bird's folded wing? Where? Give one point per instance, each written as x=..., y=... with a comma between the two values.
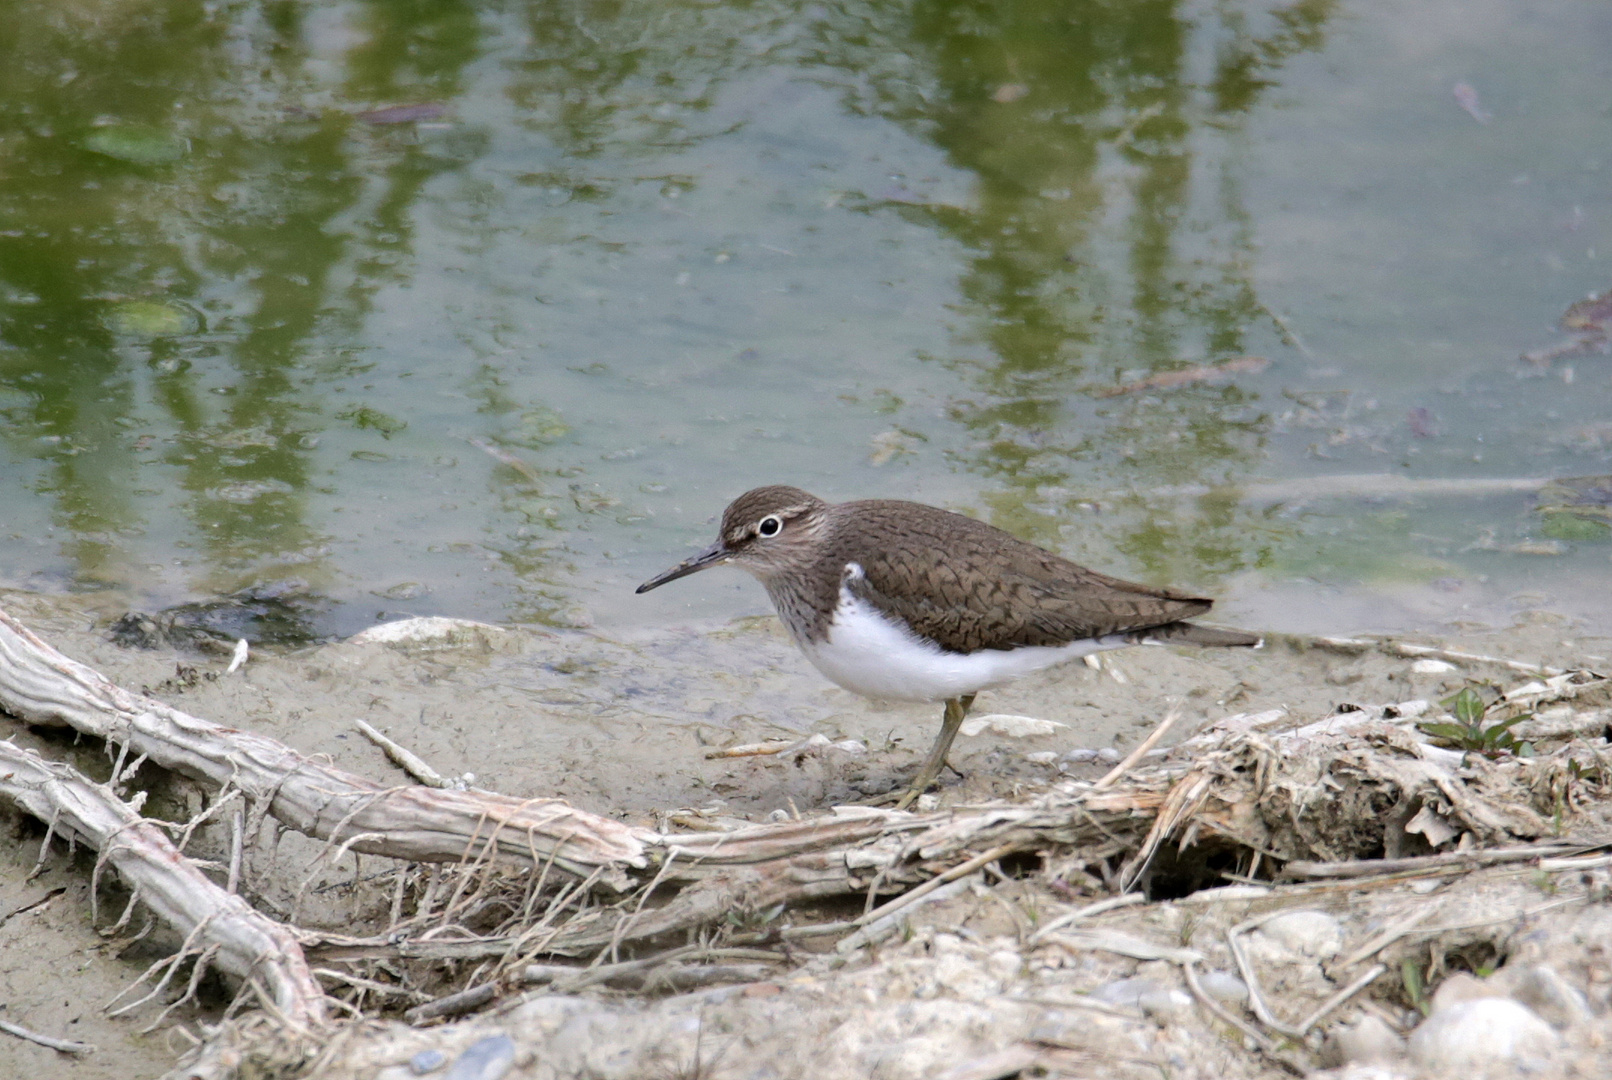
x=1010, y=597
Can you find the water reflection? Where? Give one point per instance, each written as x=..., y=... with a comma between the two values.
x=279, y=224
x=434, y=306
x=1111, y=236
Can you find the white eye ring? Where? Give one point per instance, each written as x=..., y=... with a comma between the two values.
x=771, y=525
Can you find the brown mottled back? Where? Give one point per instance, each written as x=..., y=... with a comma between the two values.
x=967, y=585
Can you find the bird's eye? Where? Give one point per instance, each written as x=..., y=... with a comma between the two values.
x=771, y=525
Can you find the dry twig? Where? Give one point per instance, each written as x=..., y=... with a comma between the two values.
x=65, y=1046
x=1140, y=752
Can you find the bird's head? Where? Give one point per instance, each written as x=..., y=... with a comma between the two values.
x=767, y=531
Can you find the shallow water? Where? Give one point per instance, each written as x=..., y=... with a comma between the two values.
x=506, y=354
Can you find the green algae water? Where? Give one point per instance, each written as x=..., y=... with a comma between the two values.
x=488, y=309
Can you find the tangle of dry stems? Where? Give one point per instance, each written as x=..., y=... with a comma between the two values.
x=594, y=885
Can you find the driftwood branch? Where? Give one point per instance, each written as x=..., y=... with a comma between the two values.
x=40, y=685
x=241, y=940
x=1240, y=789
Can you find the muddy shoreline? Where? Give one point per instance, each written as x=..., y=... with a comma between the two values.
x=624, y=728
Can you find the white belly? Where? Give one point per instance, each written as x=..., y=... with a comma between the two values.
x=877, y=657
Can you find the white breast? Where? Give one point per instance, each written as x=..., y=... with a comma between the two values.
x=878, y=657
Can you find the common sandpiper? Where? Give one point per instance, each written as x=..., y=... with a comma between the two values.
x=900, y=601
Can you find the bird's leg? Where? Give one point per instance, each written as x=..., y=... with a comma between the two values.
x=956, y=709
x=968, y=703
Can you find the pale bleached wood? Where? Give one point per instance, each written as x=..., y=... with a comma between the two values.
x=249, y=944
x=703, y=877
x=42, y=686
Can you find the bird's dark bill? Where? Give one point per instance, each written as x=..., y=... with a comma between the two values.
x=711, y=556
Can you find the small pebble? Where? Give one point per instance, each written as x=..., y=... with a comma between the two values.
x=778, y=815
x=1463, y=986
x=1223, y=986
x=1308, y=933
x=1431, y=667
x=1368, y=1041
x=1009, y=726
x=1108, y=756
x=1042, y=757
x=486, y=1059
x=1126, y=993
x=1079, y=757
x=1166, y=1004
x=427, y=1061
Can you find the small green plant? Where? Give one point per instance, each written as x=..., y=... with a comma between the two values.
x=1471, y=732
x=1415, y=989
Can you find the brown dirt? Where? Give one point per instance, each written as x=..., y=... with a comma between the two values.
x=619, y=726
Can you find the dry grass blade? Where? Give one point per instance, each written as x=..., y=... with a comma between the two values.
x=1087, y=912
x=1186, y=798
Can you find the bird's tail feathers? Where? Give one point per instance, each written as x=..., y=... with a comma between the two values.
x=1185, y=633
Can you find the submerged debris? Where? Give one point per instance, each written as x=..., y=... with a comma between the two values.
x=1577, y=508
x=1466, y=96
x=281, y=614
x=403, y=114
x=1589, y=323
x=1201, y=373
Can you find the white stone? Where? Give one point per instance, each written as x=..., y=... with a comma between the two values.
x=1479, y=1034
x=1009, y=726
x=1431, y=667
x=426, y=630
x=1126, y=993
x=1460, y=987
x=1223, y=986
